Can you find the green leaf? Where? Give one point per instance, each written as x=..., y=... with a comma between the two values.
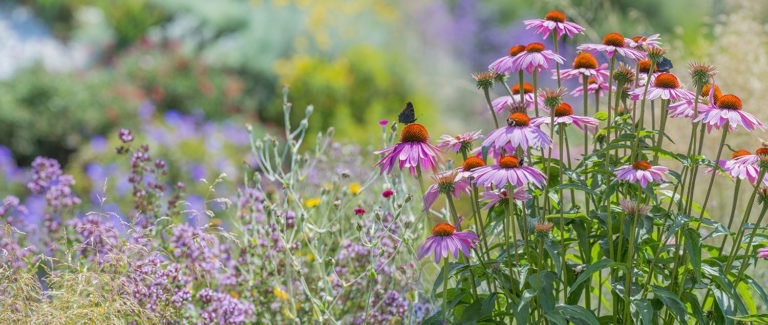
x=645, y=310
x=725, y=305
x=693, y=247
x=554, y=250
x=672, y=301
x=754, y=318
x=577, y=314
x=478, y=310
x=523, y=309
x=694, y=306
x=591, y=269
x=602, y=116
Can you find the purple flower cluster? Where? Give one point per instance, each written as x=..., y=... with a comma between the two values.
x=196, y=249
x=159, y=287
x=221, y=308
x=96, y=235
x=49, y=180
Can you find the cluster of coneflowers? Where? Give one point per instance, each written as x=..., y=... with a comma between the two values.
x=524, y=175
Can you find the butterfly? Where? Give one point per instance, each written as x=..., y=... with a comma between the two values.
x=408, y=115
x=664, y=65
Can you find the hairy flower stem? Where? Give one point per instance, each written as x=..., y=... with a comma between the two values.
x=585, y=84
x=610, y=83
x=557, y=64
x=749, y=255
x=630, y=260
x=696, y=171
x=490, y=107
x=446, y=267
x=712, y=179
x=733, y=211
x=563, y=248
x=641, y=118
x=660, y=140
x=740, y=234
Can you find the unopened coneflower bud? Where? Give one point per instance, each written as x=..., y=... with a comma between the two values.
x=763, y=191
x=624, y=74
x=655, y=54
x=701, y=74
x=336, y=203
x=543, y=227
x=553, y=97
x=499, y=77
x=484, y=80
x=408, y=198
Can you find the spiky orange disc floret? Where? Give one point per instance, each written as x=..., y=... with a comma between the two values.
x=641, y=165
x=414, y=132
x=527, y=88
x=519, y=119
x=555, y=16
x=645, y=65
x=443, y=229
x=509, y=162
x=729, y=102
x=705, y=92
x=591, y=80
x=543, y=227
x=585, y=60
x=535, y=47
x=739, y=153
x=666, y=80
x=762, y=151
x=564, y=109
x=472, y=163
x=614, y=39
x=638, y=39
x=515, y=50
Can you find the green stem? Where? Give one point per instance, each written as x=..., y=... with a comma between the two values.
x=664, y=104
x=490, y=107
x=744, y=264
x=630, y=260
x=714, y=173
x=445, y=290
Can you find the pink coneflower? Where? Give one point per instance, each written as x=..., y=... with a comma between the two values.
x=553, y=21
x=535, y=58
x=449, y=182
x=593, y=85
x=518, y=133
x=684, y=108
x=665, y=86
x=500, y=195
x=762, y=252
x=458, y=143
x=743, y=165
x=564, y=115
x=503, y=65
x=643, y=43
x=509, y=171
x=444, y=240
x=727, y=109
x=585, y=64
x=613, y=43
x=641, y=173
x=634, y=208
x=413, y=152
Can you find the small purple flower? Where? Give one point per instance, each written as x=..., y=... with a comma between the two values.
x=535, y=58
x=762, y=252
x=613, y=43
x=501, y=196
x=459, y=142
x=125, y=135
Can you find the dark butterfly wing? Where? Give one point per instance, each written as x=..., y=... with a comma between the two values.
x=664, y=65
x=408, y=115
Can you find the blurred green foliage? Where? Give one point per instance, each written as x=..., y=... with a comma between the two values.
x=128, y=19
x=351, y=93
x=53, y=114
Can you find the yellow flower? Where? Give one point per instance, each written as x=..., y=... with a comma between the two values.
x=354, y=188
x=234, y=294
x=311, y=203
x=280, y=294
